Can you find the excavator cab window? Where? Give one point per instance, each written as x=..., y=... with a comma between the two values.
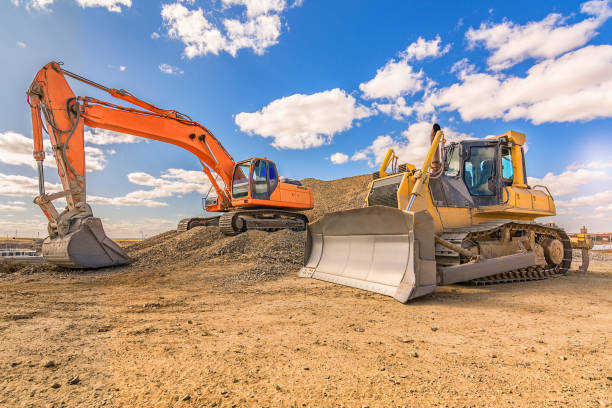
x=265, y=179
x=478, y=171
x=260, y=182
x=240, y=183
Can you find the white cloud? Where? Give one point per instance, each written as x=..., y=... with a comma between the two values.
x=258, y=31
x=568, y=181
x=122, y=68
x=398, y=109
x=411, y=147
x=575, y=86
x=170, y=69
x=171, y=183
x=110, y=5
x=12, y=185
x=107, y=137
x=258, y=34
x=21, y=44
x=512, y=43
x=155, y=35
x=396, y=78
x=601, y=199
x=16, y=149
x=338, y=158
x=4, y=207
x=255, y=8
x=40, y=5
x=16, y=202
x=304, y=121
x=421, y=49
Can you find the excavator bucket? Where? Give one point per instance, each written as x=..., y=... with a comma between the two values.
x=379, y=249
x=85, y=247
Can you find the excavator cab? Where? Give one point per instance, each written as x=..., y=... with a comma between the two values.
x=254, y=178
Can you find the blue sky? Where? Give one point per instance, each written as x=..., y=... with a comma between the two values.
x=322, y=88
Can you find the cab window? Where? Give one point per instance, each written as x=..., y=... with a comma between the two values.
x=478, y=171
x=507, y=172
x=273, y=176
x=259, y=177
x=240, y=183
x=452, y=161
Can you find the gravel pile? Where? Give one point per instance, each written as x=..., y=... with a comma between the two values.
x=337, y=195
x=264, y=255
x=8, y=266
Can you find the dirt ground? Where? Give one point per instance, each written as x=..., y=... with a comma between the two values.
x=195, y=337
x=203, y=320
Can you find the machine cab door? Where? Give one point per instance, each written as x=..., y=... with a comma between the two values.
x=264, y=179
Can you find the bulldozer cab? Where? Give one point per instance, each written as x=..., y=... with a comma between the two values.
x=475, y=174
x=254, y=178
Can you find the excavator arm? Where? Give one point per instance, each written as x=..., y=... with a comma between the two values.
x=76, y=238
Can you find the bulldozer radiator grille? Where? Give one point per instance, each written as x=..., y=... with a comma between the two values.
x=384, y=191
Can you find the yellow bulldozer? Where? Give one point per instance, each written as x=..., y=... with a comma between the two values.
x=466, y=215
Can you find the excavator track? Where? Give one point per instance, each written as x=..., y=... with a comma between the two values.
x=235, y=222
x=535, y=272
x=189, y=223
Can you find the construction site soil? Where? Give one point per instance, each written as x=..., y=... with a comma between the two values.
x=199, y=319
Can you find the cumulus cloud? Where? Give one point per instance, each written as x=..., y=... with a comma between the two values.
x=12, y=185
x=21, y=44
x=171, y=183
x=255, y=8
x=601, y=199
x=304, y=121
x=107, y=137
x=40, y=5
x=411, y=147
x=421, y=49
x=576, y=86
x=396, y=78
x=110, y=5
x=338, y=158
x=568, y=182
x=512, y=43
x=170, y=69
x=258, y=29
x=5, y=207
x=16, y=149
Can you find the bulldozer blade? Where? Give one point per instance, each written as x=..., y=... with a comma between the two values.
x=87, y=247
x=379, y=249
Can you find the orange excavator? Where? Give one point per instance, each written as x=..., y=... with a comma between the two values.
x=252, y=196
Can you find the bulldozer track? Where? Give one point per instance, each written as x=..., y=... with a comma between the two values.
x=536, y=272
